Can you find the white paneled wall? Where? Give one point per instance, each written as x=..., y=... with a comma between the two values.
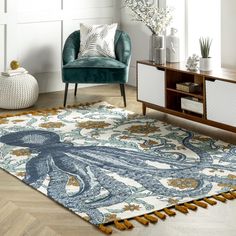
x=40, y=51
x=2, y=35
x=2, y=44
x=228, y=33
x=89, y=3
x=34, y=32
x=42, y=5
x=2, y=6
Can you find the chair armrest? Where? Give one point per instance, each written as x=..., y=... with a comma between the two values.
x=71, y=48
x=123, y=49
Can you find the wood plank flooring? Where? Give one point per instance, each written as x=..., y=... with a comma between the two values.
x=24, y=211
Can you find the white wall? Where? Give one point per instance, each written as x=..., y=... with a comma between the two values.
x=34, y=32
x=228, y=33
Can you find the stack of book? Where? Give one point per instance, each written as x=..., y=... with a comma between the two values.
x=10, y=73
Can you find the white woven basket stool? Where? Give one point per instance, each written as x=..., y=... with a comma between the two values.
x=18, y=92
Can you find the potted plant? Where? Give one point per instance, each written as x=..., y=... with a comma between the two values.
x=205, y=60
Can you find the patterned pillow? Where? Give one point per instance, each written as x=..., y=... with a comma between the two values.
x=97, y=40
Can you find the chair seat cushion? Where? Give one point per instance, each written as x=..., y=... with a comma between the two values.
x=95, y=70
x=95, y=62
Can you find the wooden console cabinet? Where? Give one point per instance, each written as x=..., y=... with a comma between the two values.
x=214, y=102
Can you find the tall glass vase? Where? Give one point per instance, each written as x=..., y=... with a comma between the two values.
x=156, y=42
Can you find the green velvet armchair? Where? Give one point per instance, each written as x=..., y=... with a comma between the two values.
x=96, y=69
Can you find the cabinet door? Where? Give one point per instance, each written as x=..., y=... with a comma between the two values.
x=221, y=102
x=151, y=85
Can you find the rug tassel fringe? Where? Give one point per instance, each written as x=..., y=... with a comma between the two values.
x=160, y=215
x=152, y=219
x=119, y=225
x=219, y=198
x=209, y=201
x=182, y=209
x=169, y=212
x=200, y=204
x=128, y=224
x=105, y=229
x=233, y=193
x=228, y=196
x=147, y=218
x=43, y=111
x=190, y=206
x=141, y=220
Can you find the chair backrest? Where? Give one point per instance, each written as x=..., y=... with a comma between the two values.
x=122, y=47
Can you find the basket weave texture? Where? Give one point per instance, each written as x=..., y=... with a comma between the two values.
x=17, y=92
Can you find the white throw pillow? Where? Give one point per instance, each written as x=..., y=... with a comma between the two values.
x=97, y=40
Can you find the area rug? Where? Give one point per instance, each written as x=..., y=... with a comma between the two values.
x=108, y=165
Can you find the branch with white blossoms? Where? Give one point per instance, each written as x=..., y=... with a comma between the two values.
x=156, y=19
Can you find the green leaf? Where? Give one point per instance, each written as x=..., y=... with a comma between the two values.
x=205, y=46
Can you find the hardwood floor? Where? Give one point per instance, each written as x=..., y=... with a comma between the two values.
x=24, y=211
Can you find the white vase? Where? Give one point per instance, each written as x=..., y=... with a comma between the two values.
x=156, y=41
x=172, y=47
x=205, y=64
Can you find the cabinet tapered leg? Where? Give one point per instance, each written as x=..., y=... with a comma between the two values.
x=144, y=109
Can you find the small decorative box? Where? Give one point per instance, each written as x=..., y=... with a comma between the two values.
x=191, y=104
x=188, y=87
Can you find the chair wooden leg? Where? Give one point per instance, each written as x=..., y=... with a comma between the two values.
x=65, y=94
x=76, y=86
x=122, y=91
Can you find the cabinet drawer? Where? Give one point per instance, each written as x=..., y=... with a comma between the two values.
x=151, y=85
x=221, y=102
x=190, y=105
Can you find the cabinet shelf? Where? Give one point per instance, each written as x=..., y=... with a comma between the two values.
x=200, y=96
